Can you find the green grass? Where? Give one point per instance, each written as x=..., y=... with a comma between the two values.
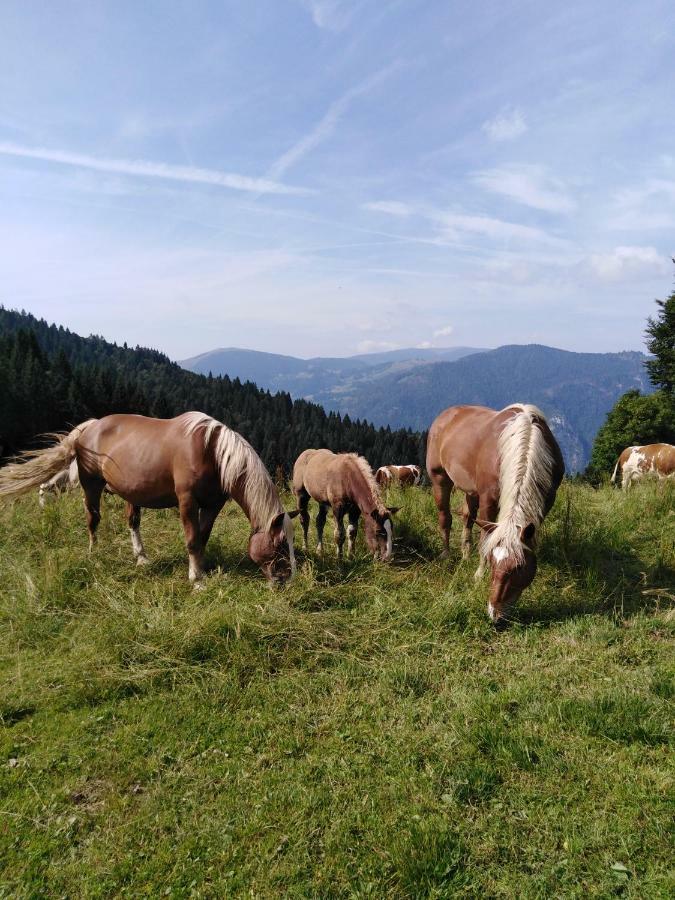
x=362, y=733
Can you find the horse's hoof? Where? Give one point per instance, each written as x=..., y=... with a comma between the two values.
x=142, y=561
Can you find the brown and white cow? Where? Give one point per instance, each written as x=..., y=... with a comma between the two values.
x=635, y=463
x=65, y=480
x=404, y=475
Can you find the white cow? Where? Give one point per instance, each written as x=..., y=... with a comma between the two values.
x=65, y=480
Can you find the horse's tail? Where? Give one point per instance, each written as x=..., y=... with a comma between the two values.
x=616, y=469
x=39, y=466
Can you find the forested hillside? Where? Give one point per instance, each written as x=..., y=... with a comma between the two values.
x=51, y=378
x=575, y=390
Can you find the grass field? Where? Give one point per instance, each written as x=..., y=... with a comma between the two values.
x=362, y=733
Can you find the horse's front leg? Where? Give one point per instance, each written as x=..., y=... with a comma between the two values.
x=469, y=513
x=320, y=523
x=488, y=512
x=207, y=517
x=338, y=513
x=134, y=522
x=302, y=499
x=189, y=516
x=352, y=529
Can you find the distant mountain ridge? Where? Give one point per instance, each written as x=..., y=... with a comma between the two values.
x=303, y=377
x=408, y=388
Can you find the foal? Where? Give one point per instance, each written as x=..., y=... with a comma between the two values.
x=343, y=481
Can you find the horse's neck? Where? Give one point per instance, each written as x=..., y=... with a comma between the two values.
x=362, y=493
x=238, y=493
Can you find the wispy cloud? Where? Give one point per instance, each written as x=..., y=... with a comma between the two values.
x=389, y=208
x=454, y=224
x=506, y=125
x=646, y=207
x=333, y=15
x=445, y=331
x=327, y=124
x=147, y=169
x=530, y=185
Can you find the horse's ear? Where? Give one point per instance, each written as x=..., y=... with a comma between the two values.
x=293, y=513
x=486, y=526
x=527, y=533
x=392, y=510
x=276, y=522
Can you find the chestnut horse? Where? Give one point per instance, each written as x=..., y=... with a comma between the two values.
x=192, y=462
x=345, y=482
x=509, y=466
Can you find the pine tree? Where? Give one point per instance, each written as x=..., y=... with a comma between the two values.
x=661, y=344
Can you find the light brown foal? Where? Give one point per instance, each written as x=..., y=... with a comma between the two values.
x=345, y=482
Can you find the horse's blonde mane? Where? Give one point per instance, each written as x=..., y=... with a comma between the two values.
x=236, y=459
x=525, y=473
x=367, y=472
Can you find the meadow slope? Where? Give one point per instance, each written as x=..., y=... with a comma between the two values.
x=362, y=733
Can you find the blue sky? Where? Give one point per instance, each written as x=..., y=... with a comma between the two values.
x=327, y=177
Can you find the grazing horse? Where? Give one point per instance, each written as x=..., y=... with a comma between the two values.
x=404, y=475
x=343, y=481
x=635, y=463
x=192, y=462
x=509, y=466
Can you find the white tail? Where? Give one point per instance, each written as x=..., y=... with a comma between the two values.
x=616, y=469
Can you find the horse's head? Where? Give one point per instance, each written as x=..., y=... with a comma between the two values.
x=379, y=532
x=272, y=549
x=512, y=571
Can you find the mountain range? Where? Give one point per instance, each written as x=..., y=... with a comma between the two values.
x=408, y=388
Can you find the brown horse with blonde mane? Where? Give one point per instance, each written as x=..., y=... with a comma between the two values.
x=192, y=462
x=345, y=482
x=509, y=466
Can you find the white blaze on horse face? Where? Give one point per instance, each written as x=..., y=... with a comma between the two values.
x=500, y=553
x=390, y=538
x=491, y=611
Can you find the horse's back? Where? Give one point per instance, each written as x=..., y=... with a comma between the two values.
x=457, y=438
x=145, y=460
x=314, y=471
